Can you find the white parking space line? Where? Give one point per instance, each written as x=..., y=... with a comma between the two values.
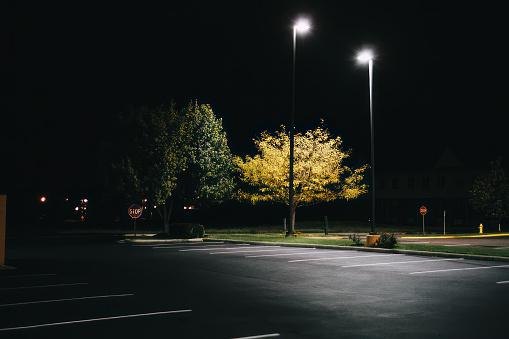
x=398, y=262
x=223, y=248
x=272, y=335
x=333, y=258
x=208, y=248
x=41, y=286
x=29, y=275
x=287, y=254
x=185, y=246
x=68, y=299
x=248, y=251
x=95, y=319
x=460, y=269
x=502, y=282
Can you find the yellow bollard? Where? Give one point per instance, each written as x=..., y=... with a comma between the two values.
x=480, y=228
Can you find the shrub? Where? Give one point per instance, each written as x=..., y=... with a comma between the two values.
x=356, y=239
x=186, y=231
x=386, y=241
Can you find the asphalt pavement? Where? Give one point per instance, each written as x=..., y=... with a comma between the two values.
x=83, y=287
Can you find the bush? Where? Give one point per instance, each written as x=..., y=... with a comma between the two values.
x=386, y=241
x=186, y=231
x=356, y=239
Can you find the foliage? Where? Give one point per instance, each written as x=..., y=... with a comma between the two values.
x=356, y=239
x=386, y=240
x=187, y=231
x=173, y=154
x=490, y=192
x=207, y=178
x=319, y=175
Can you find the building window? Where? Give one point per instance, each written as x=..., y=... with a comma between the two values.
x=395, y=183
x=411, y=183
x=441, y=182
x=425, y=182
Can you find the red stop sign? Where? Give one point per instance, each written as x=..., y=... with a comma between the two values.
x=423, y=210
x=135, y=211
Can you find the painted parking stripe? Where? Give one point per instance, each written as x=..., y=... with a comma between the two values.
x=41, y=286
x=460, y=269
x=272, y=335
x=68, y=299
x=398, y=262
x=29, y=275
x=287, y=254
x=502, y=282
x=94, y=319
x=332, y=258
x=248, y=251
x=185, y=246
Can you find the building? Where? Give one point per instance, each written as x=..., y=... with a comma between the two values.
x=442, y=188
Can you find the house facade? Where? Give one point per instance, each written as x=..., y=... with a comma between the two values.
x=442, y=187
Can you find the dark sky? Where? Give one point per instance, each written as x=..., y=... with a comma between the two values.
x=66, y=70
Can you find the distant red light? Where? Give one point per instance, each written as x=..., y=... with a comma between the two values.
x=43, y=199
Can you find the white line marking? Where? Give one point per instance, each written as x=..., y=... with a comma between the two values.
x=42, y=286
x=502, y=282
x=332, y=258
x=68, y=299
x=252, y=251
x=90, y=320
x=283, y=254
x=398, y=262
x=260, y=336
x=457, y=245
x=460, y=269
x=28, y=275
x=204, y=249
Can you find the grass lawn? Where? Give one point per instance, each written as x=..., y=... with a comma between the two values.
x=342, y=240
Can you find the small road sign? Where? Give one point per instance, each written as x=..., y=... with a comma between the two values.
x=135, y=211
x=423, y=210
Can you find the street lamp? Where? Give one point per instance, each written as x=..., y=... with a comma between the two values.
x=367, y=56
x=301, y=26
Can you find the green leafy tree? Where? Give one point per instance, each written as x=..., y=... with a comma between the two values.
x=490, y=192
x=207, y=178
x=174, y=154
x=319, y=173
x=157, y=143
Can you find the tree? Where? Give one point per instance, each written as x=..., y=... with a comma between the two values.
x=207, y=178
x=319, y=175
x=156, y=147
x=490, y=192
x=174, y=154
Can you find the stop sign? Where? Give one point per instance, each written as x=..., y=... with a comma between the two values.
x=135, y=211
x=423, y=210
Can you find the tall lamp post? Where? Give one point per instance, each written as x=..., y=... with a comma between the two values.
x=367, y=56
x=300, y=26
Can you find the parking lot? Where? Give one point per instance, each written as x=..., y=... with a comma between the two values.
x=82, y=288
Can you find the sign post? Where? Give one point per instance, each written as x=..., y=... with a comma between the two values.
x=134, y=212
x=423, y=211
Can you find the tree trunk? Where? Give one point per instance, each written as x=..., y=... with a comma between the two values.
x=166, y=216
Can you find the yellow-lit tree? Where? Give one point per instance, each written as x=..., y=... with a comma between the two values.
x=319, y=173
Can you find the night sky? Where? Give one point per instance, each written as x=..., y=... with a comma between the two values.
x=66, y=70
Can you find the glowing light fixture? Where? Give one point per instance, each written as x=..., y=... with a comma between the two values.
x=43, y=199
x=365, y=56
x=302, y=25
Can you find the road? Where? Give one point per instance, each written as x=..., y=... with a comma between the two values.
x=85, y=287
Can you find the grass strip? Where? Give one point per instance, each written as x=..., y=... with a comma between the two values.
x=470, y=250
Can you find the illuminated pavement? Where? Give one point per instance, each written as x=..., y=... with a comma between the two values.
x=94, y=287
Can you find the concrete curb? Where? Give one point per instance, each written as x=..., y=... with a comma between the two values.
x=368, y=249
x=161, y=240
